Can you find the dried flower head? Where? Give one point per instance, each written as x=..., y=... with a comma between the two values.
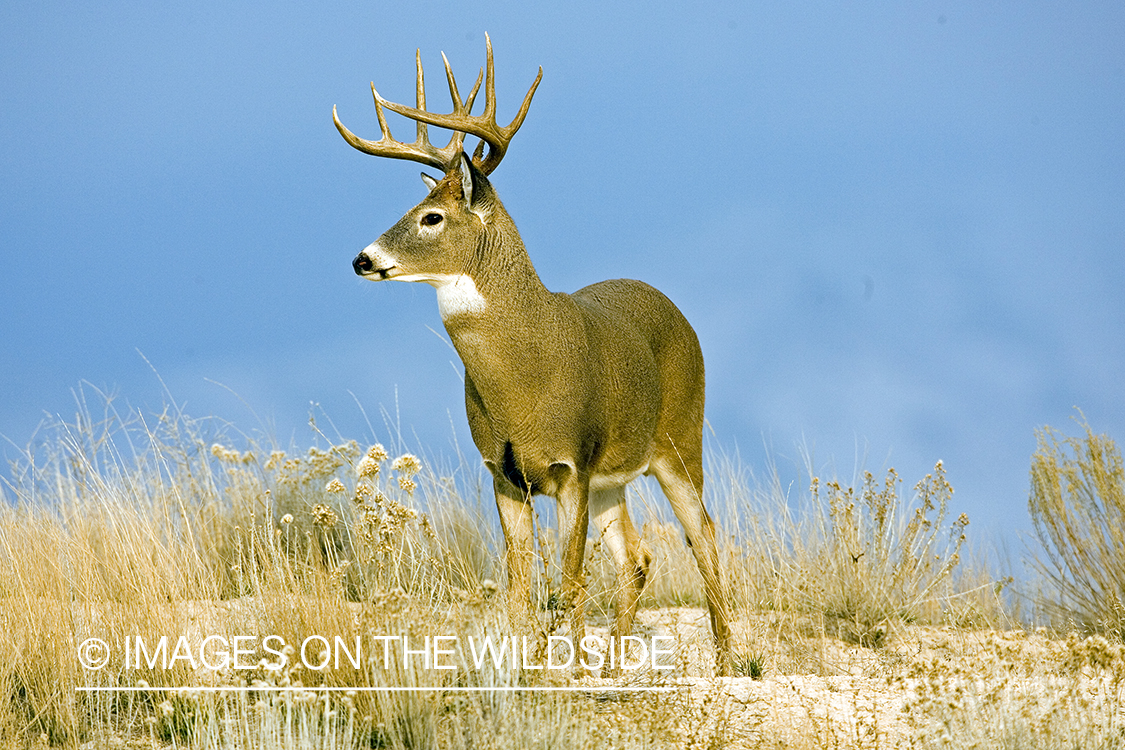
x=323, y=516
x=349, y=449
x=225, y=454
x=368, y=468
x=322, y=463
x=407, y=464
x=287, y=519
x=377, y=453
x=334, y=486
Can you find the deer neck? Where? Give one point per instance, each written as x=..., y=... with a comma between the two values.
x=501, y=320
x=499, y=288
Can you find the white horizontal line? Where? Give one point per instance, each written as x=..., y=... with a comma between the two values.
x=450, y=689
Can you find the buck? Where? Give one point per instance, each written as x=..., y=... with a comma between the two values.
x=568, y=395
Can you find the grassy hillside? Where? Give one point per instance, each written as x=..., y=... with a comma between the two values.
x=289, y=586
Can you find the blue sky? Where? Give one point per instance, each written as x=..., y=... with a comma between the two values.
x=898, y=228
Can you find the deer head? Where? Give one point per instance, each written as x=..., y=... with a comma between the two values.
x=438, y=241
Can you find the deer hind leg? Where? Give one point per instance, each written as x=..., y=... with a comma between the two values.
x=516, y=520
x=684, y=489
x=631, y=559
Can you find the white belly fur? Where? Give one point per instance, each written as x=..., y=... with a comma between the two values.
x=618, y=479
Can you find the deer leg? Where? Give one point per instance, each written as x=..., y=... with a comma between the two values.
x=610, y=517
x=516, y=520
x=685, y=496
x=573, y=500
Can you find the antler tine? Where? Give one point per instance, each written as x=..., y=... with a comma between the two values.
x=496, y=154
x=455, y=94
x=489, y=81
x=496, y=150
x=473, y=93
x=459, y=108
x=422, y=136
x=483, y=126
x=384, y=128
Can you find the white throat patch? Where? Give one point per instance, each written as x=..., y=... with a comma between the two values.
x=456, y=293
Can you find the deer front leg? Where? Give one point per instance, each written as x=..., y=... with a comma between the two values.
x=574, y=520
x=516, y=520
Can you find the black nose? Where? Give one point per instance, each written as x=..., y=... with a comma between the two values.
x=362, y=264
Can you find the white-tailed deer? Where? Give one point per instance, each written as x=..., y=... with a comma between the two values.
x=568, y=395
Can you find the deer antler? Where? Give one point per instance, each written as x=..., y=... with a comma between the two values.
x=460, y=121
x=421, y=150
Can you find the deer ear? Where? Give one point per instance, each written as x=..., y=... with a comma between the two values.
x=466, y=180
x=431, y=183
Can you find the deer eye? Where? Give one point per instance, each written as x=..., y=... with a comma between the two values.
x=431, y=219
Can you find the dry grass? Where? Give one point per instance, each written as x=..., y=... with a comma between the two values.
x=856, y=625
x=1078, y=506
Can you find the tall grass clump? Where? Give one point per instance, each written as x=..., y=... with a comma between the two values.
x=884, y=557
x=863, y=558
x=1077, y=503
